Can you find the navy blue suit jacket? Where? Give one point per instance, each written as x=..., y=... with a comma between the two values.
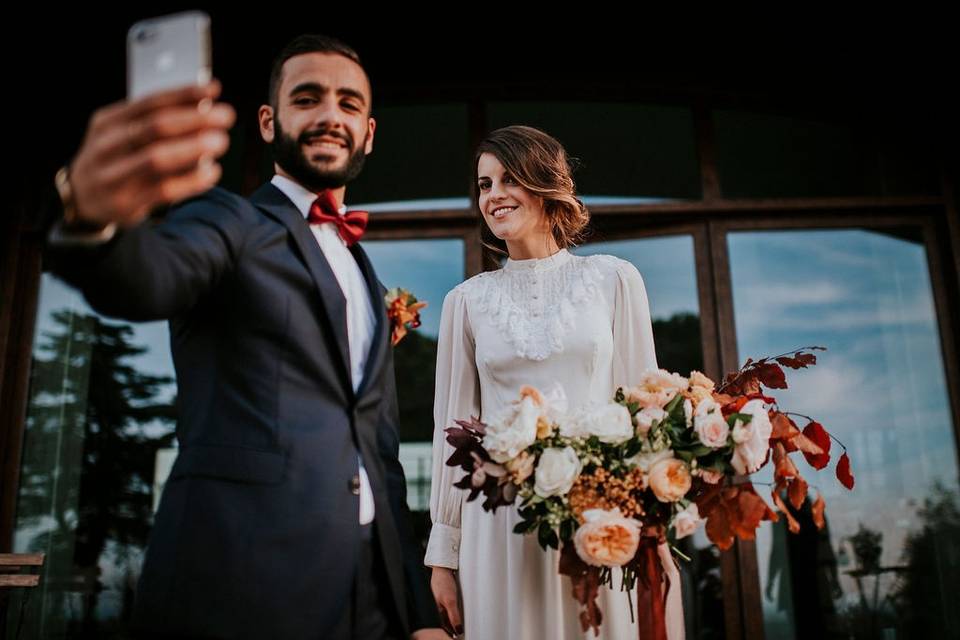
x=257, y=532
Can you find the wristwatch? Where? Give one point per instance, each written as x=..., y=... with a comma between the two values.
x=71, y=229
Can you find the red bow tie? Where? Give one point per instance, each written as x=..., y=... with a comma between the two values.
x=350, y=225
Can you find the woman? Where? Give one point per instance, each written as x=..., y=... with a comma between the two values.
x=547, y=317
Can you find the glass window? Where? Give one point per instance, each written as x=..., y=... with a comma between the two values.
x=887, y=562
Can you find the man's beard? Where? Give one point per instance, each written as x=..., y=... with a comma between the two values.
x=288, y=154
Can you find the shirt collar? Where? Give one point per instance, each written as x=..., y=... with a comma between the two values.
x=301, y=197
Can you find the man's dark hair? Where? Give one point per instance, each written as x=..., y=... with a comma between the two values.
x=306, y=43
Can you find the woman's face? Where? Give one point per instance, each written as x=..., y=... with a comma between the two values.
x=511, y=212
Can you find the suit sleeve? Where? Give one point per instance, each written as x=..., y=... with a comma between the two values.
x=157, y=271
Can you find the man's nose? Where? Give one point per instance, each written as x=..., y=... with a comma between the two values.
x=328, y=116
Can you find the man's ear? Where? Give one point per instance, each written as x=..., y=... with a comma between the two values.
x=368, y=143
x=265, y=117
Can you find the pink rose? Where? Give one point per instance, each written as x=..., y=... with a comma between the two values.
x=687, y=521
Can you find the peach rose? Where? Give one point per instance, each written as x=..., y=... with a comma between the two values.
x=521, y=467
x=656, y=388
x=697, y=379
x=606, y=538
x=670, y=479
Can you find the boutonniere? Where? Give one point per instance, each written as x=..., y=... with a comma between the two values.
x=403, y=310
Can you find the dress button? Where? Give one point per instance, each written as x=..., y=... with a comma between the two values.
x=354, y=485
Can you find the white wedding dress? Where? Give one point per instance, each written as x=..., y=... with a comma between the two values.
x=583, y=322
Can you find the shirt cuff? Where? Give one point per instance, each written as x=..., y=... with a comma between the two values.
x=60, y=236
x=443, y=548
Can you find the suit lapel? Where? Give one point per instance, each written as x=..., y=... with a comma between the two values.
x=379, y=344
x=273, y=202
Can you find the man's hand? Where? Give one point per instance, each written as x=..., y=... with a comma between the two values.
x=153, y=151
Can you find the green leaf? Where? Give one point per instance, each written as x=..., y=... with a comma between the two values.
x=543, y=535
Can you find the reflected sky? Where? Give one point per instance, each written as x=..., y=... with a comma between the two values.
x=666, y=265
x=880, y=386
x=55, y=295
x=426, y=268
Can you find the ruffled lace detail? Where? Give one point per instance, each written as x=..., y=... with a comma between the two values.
x=534, y=303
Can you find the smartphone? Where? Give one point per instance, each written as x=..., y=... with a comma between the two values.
x=168, y=52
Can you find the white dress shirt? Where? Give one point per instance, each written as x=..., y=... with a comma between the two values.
x=361, y=320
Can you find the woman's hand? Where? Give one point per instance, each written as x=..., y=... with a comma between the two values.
x=443, y=583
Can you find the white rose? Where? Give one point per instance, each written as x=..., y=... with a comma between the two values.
x=646, y=417
x=514, y=430
x=712, y=429
x=688, y=412
x=687, y=521
x=610, y=423
x=752, y=439
x=705, y=406
x=556, y=472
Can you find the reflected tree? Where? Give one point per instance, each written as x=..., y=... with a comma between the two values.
x=94, y=426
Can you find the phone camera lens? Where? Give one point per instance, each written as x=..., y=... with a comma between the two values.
x=144, y=35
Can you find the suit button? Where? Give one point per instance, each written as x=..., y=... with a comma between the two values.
x=354, y=485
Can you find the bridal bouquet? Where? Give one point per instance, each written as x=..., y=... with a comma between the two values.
x=607, y=484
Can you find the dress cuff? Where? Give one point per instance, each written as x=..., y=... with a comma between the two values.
x=443, y=548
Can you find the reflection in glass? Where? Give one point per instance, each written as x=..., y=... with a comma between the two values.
x=887, y=564
x=436, y=134
x=101, y=407
x=667, y=266
x=639, y=151
x=428, y=269
x=669, y=274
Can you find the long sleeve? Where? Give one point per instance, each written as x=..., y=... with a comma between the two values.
x=155, y=271
x=635, y=352
x=457, y=396
x=634, y=349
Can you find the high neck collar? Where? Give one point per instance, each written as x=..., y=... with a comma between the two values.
x=538, y=264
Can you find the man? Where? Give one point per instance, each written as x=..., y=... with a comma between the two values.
x=285, y=514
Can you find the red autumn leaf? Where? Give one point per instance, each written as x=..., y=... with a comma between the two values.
x=801, y=361
x=783, y=428
x=763, y=397
x=772, y=376
x=718, y=527
x=784, y=469
x=805, y=444
x=736, y=405
x=751, y=511
x=843, y=472
x=817, y=511
x=797, y=492
x=792, y=523
x=819, y=436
